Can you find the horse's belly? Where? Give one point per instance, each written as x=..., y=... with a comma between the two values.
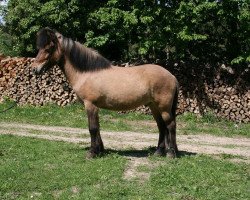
x=119, y=106
x=123, y=100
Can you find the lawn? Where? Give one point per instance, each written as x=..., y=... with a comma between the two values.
x=75, y=116
x=40, y=169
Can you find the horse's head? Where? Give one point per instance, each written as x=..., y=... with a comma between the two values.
x=49, y=50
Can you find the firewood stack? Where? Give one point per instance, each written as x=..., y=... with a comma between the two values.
x=229, y=102
x=224, y=101
x=18, y=83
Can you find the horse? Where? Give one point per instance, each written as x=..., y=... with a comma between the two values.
x=99, y=84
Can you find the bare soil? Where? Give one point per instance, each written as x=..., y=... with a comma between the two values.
x=136, y=143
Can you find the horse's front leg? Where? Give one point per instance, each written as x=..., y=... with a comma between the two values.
x=96, y=146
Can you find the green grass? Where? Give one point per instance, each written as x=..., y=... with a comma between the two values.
x=31, y=167
x=200, y=177
x=211, y=124
x=40, y=169
x=71, y=116
x=75, y=116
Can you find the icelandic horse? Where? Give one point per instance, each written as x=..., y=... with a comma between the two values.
x=99, y=84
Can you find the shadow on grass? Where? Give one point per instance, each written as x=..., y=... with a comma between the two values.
x=141, y=153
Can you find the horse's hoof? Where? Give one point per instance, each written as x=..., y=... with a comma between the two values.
x=91, y=155
x=171, y=153
x=160, y=152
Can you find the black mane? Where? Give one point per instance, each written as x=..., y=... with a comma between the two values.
x=83, y=58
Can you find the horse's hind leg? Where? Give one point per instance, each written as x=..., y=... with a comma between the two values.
x=94, y=129
x=172, y=125
x=170, y=138
x=161, y=148
x=172, y=147
x=172, y=133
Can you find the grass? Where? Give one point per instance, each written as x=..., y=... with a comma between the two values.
x=70, y=116
x=75, y=116
x=201, y=177
x=213, y=125
x=31, y=167
x=40, y=169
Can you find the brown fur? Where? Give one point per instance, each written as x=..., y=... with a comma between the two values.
x=100, y=85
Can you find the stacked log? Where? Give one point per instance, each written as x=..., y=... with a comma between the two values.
x=197, y=95
x=224, y=101
x=19, y=84
x=230, y=103
x=7, y=72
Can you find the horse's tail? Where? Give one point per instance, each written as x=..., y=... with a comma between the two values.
x=173, y=113
x=175, y=101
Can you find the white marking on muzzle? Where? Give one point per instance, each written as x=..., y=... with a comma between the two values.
x=38, y=69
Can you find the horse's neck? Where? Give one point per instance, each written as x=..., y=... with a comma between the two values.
x=72, y=74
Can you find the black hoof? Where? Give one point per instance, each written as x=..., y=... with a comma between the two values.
x=95, y=153
x=171, y=153
x=160, y=152
x=91, y=155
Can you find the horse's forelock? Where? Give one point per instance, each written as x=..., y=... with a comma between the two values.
x=44, y=37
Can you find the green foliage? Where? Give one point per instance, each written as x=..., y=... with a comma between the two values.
x=200, y=31
x=203, y=31
x=7, y=47
x=24, y=18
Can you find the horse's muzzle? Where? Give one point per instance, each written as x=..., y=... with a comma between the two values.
x=38, y=68
x=35, y=71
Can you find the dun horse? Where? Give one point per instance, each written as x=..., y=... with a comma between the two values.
x=99, y=84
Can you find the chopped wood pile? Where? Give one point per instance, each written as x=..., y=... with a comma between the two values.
x=18, y=83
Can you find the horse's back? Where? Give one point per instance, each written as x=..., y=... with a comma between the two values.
x=158, y=76
x=160, y=84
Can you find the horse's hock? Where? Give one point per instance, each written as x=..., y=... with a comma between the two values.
x=197, y=95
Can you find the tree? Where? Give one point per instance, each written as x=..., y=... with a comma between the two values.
x=197, y=31
x=200, y=31
x=24, y=18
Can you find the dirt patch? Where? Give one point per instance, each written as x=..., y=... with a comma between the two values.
x=188, y=144
x=132, y=171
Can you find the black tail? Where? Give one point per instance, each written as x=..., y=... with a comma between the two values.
x=175, y=101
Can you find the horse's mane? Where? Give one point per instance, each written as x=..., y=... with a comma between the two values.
x=82, y=58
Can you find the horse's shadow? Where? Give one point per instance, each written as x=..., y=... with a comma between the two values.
x=143, y=153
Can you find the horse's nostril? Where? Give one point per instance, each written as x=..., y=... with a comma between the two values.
x=34, y=71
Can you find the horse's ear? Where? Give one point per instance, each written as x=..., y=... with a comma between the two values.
x=59, y=36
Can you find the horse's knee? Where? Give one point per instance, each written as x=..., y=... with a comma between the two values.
x=166, y=117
